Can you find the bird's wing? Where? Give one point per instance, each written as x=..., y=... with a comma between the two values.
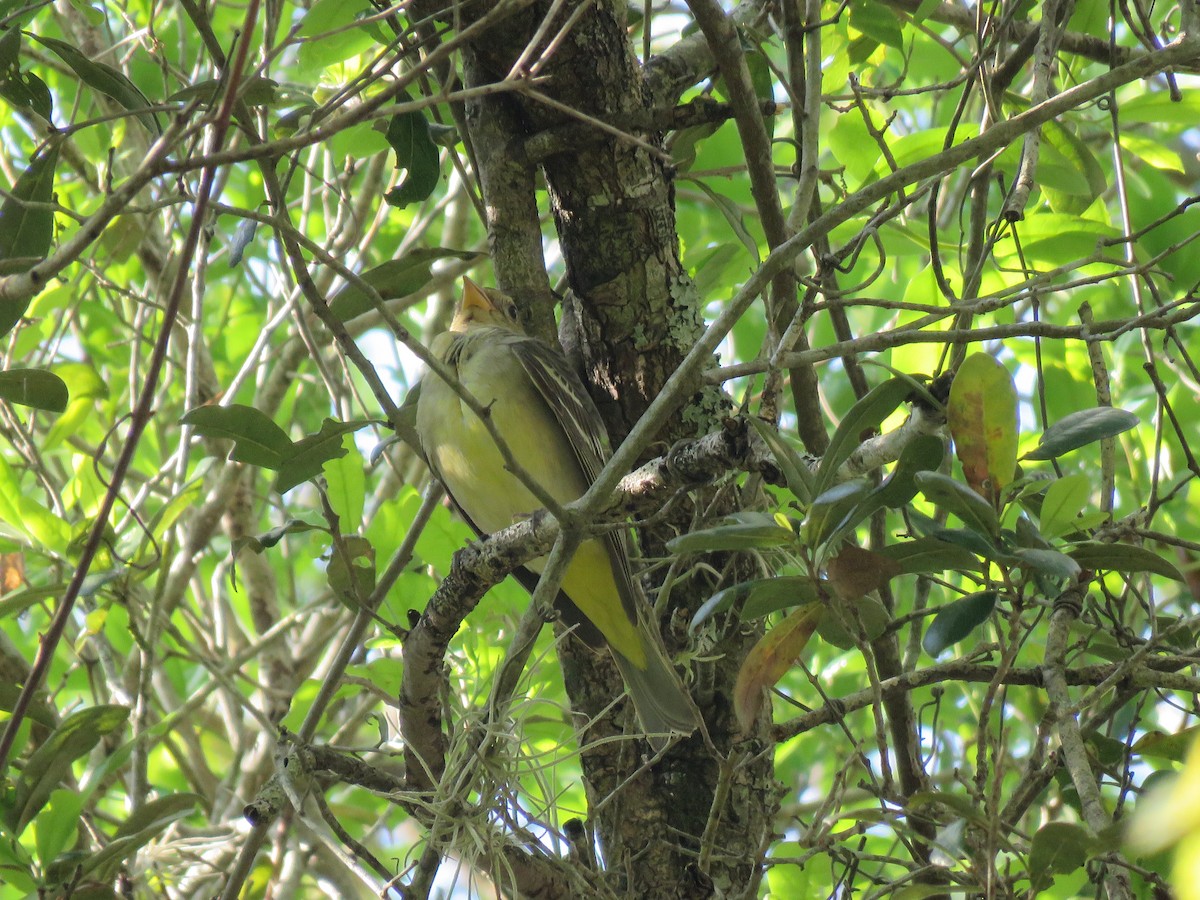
x=576, y=413
x=525, y=576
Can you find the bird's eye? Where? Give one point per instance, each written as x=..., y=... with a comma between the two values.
x=511, y=311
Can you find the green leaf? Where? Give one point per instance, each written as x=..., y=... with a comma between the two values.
x=1082, y=428
x=1161, y=745
x=924, y=10
x=27, y=226
x=1049, y=562
x=51, y=762
x=351, y=571
x=28, y=519
x=58, y=823
x=838, y=507
x=330, y=35
x=1064, y=501
x=257, y=440
x=346, y=486
x=10, y=49
x=393, y=279
x=106, y=80
x=260, y=542
x=758, y=597
x=1078, y=159
x=309, y=454
x=791, y=463
x=416, y=153
x=973, y=541
x=23, y=90
x=733, y=216
x=955, y=497
x=928, y=554
x=734, y=536
x=684, y=143
x=878, y=22
x=254, y=91
x=1122, y=558
x=956, y=620
x=866, y=613
x=764, y=84
x=982, y=416
x=26, y=90
x=1057, y=849
x=85, y=386
x=866, y=415
x=35, y=388
x=922, y=454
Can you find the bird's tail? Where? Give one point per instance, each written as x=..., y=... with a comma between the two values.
x=663, y=705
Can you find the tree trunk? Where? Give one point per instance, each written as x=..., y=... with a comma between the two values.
x=632, y=315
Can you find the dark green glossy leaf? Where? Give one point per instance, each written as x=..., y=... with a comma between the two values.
x=1027, y=535
x=416, y=153
x=764, y=84
x=27, y=226
x=1122, y=558
x=956, y=620
x=832, y=510
x=928, y=554
x=393, y=279
x=955, y=497
x=10, y=49
x=106, y=80
x=23, y=90
x=257, y=439
x=973, y=541
x=35, y=388
x=759, y=597
x=922, y=454
x=1049, y=562
x=736, y=536
x=1082, y=428
x=865, y=613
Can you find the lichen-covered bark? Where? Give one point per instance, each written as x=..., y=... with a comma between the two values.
x=633, y=316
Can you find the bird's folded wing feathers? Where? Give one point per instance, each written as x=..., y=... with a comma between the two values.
x=576, y=413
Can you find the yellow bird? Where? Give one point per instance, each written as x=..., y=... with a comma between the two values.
x=555, y=433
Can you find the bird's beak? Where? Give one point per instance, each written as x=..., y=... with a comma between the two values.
x=474, y=298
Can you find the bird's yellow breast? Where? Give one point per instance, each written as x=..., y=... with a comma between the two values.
x=468, y=459
x=470, y=464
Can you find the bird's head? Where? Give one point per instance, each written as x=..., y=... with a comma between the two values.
x=485, y=306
